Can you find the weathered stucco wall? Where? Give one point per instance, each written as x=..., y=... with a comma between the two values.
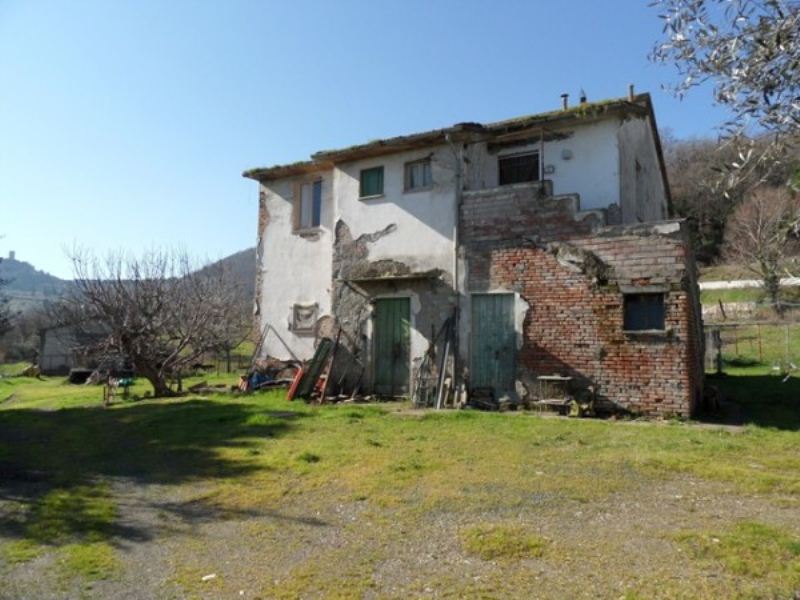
x=592, y=171
x=395, y=235
x=293, y=268
x=424, y=220
x=642, y=194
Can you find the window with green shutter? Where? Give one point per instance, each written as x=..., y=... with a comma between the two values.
x=371, y=182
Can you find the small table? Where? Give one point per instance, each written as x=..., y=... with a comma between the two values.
x=554, y=392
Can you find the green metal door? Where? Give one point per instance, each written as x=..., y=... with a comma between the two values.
x=392, y=346
x=493, y=342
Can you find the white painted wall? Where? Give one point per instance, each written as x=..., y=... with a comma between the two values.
x=296, y=268
x=592, y=172
x=425, y=219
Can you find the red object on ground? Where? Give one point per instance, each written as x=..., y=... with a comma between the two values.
x=293, y=388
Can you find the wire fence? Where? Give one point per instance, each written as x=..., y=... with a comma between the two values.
x=770, y=345
x=224, y=363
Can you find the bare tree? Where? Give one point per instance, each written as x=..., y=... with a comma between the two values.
x=694, y=166
x=750, y=51
x=761, y=232
x=157, y=311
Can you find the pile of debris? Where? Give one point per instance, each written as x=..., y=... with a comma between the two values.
x=334, y=374
x=269, y=373
x=484, y=398
x=433, y=380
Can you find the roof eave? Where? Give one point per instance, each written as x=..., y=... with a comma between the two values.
x=307, y=167
x=582, y=113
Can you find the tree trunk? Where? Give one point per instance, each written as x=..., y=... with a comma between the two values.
x=772, y=287
x=156, y=379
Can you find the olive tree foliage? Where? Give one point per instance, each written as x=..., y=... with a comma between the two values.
x=156, y=310
x=749, y=50
x=762, y=232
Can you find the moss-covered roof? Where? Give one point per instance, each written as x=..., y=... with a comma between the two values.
x=588, y=111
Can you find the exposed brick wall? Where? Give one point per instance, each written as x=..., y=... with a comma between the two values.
x=521, y=211
x=573, y=279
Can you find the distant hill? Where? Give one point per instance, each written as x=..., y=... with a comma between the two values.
x=24, y=277
x=29, y=288
x=242, y=266
x=26, y=286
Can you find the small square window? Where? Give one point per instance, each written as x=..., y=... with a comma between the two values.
x=518, y=168
x=309, y=206
x=644, y=312
x=418, y=175
x=371, y=182
x=304, y=316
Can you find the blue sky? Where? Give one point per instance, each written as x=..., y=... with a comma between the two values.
x=128, y=124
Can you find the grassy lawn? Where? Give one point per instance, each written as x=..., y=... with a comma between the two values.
x=735, y=295
x=252, y=496
x=789, y=294
x=725, y=272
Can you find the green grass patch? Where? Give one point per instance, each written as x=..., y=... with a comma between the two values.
x=21, y=551
x=93, y=561
x=751, y=550
x=84, y=511
x=725, y=272
x=13, y=369
x=493, y=541
x=733, y=295
x=309, y=457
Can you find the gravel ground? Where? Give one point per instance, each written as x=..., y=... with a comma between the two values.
x=316, y=546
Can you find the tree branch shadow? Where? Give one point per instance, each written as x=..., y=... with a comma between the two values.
x=55, y=466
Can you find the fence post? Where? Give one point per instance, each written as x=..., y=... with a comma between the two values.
x=760, y=351
x=786, y=345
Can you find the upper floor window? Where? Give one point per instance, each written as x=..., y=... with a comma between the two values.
x=371, y=182
x=518, y=168
x=418, y=175
x=308, y=208
x=644, y=312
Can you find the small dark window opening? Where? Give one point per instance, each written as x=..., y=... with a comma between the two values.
x=371, y=182
x=518, y=168
x=644, y=312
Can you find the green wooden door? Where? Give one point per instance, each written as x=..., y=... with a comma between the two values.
x=493, y=342
x=392, y=346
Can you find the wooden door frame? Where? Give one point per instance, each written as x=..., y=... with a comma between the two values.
x=514, y=316
x=411, y=323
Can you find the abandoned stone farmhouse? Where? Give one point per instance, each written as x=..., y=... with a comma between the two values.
x=526, y=251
